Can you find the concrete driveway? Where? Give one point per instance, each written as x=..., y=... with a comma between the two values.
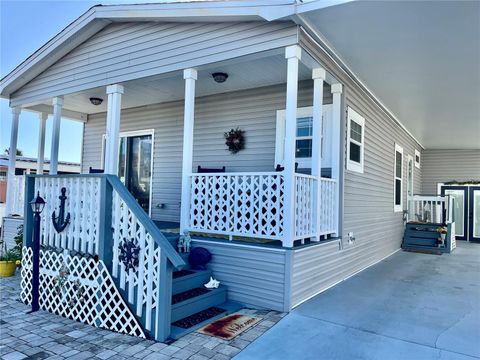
x=409, y=306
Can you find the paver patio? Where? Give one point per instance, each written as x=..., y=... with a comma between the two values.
x=409, y=306
x=43, y=335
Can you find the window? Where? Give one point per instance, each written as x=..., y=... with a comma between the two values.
x=304, y=137
x=355, y=141
x=398, y=179
x=417, y=159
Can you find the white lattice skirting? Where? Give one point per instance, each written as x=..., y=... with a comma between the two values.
x=89, y=294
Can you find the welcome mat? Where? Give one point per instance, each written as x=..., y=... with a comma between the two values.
x=229, y=326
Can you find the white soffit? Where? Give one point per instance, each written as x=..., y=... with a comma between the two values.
x=420, y=58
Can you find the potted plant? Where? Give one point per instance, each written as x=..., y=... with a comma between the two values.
x=442, y=230
x=8, y=262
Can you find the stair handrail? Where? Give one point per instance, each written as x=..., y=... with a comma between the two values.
x=144, y=219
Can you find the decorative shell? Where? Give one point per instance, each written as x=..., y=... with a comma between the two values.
x=212, y=284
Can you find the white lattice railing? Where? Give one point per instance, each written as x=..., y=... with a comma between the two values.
x=103, y=216
x=83, y=205
x=424, y=208
x=87, y=294
x=141, y=284
x=328, y=206
x=18, y=194
x=240, y=204
x=304, y=206
x=252, y=204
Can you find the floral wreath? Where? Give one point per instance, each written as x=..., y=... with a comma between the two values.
x=235, y=140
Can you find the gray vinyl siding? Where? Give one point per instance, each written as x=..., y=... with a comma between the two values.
x=253, y=111
x=131, y=50
x=368, y=208
x=255, y=276
x=439, y=166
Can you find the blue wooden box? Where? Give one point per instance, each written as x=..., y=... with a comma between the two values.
x=423, y=236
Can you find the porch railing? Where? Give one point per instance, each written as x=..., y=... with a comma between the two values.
x=18, y=192
x=252, y=205
x=104, y=216
x=430, y=209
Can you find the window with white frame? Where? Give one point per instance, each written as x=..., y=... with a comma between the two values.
x=355, y=141
x=417, y=159
x=304, y=137
x=398, y=179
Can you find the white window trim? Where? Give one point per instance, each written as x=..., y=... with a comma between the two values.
x=417, y=164
x=307, y=111
x=360, y=120
x=399, y=207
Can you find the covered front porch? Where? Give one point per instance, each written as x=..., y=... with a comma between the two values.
x=156, y=132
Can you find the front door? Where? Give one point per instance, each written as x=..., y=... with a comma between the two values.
x=460, y=209
x=135, y=166
x=474, y=213
x=466, y=210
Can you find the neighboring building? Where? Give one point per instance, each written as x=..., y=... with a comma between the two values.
x=317, y=192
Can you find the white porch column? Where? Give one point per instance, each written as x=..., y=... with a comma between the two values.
x=113, y=128
x=41, y=142
x=12, y=158
x=293, y=55
x=57, y=116
x=318, y=76
x=336, y=151
x=190, y=76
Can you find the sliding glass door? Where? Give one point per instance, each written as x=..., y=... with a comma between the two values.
x=135, y=166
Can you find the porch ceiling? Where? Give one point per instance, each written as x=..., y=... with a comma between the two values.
x=420, y=58
x=242, y=74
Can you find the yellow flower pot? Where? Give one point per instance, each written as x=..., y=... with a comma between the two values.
x=7, y=268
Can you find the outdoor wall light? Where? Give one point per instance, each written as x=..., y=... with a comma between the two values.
x=96, y=101
x=219, y=77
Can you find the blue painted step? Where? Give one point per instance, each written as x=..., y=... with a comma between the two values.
x=198, y=303
x=187, y=282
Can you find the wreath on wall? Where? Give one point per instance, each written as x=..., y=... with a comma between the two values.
x=235, y=140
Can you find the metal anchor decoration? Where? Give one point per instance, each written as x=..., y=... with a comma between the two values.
x=129, y=254
x=61, y=222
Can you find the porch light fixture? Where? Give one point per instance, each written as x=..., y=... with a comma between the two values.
x=96, y=101
x=219, y=77
x=37, y=204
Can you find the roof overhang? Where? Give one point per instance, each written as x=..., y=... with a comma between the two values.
x=99, y=16
x=421, y=58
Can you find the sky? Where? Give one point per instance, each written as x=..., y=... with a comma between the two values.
x=25, y=26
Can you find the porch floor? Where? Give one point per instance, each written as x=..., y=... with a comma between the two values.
x=171, y=231
x=409, y=306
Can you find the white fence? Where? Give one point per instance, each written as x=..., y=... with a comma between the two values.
x=252, y=204
x=145, y=276
x=18, y=194
x=82, y=203
x=241, y=204
x=102, y=218
x=328, y=206
x=429, y=209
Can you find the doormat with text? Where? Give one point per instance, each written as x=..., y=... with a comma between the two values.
x=229, y=326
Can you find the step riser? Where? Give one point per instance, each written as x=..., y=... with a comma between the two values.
x=188, y=282
x=187, y=308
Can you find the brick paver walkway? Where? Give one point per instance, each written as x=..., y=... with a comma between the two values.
x=43, y=335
